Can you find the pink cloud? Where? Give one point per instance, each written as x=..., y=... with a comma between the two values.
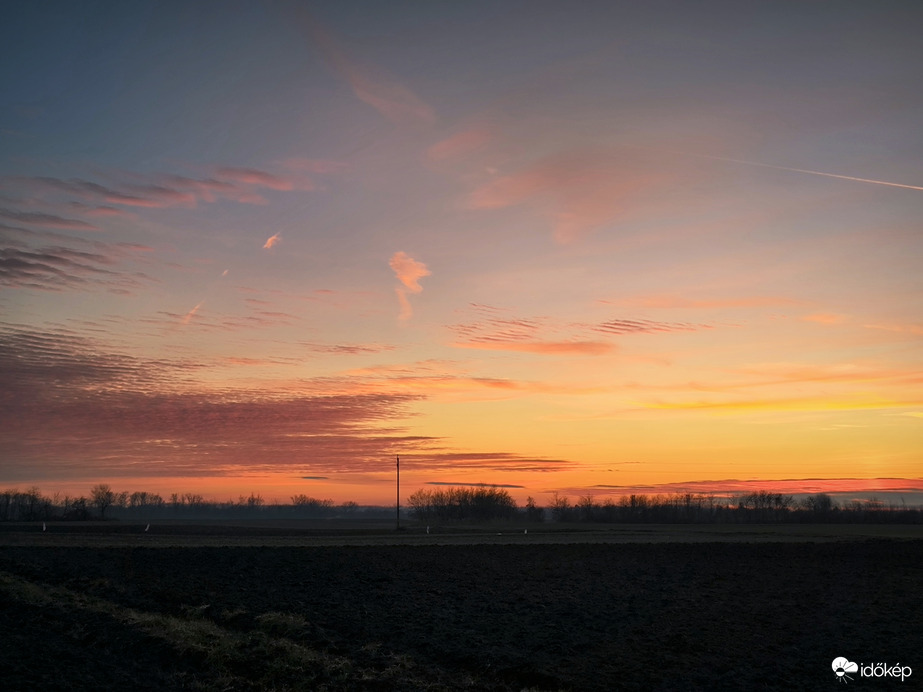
x=251, y=176
x=271, y=242
x=409, y=272
x=579, y=191
x=459, y=144
x=393, y=100
x=495, y=331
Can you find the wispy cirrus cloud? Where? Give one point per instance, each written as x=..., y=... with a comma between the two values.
x=162, y=190
x=46, y=220
x=271, y=242
x=645, y=327
x=221, y=322
x=59, y=268
x=489, y=461
x=666, y=300
x=348, y=349
x=371, y=84
x=255, y=177
x=586, y=348
x=494, y=330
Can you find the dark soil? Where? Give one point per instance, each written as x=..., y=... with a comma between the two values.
x=574, y=617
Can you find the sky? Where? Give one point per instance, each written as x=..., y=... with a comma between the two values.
x=591, y=248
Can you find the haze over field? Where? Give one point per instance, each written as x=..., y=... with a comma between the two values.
x=588, y=247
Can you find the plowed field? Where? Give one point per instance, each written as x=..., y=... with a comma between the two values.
x=636, y=616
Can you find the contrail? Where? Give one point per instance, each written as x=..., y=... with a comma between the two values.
x=805, y=170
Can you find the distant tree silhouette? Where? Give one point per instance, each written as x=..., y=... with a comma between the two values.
x=819, y=504
x=103, y=497
x=307, y=506
x=560, y=507
x=462, y=503
x=478, y=503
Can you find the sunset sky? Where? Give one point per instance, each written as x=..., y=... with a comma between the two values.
x=584, y=247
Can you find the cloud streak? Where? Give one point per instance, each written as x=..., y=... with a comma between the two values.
x=60, y=268
x=667, y=300
x=159, y=190
x=46, y=220
x=542, y=335
x=373, y=86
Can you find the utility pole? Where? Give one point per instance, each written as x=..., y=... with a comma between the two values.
x=398, y=493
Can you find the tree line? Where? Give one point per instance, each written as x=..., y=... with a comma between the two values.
x=462, y=503
x=483, y=503
x=762, y=506
x=105, y=503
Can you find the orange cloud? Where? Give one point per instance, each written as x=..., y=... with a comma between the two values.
x=409, y=272
x=251, y=176
x=271, y=242
x=674, y=301
x=580, y=191
x=590, y=348
x=825, y=318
